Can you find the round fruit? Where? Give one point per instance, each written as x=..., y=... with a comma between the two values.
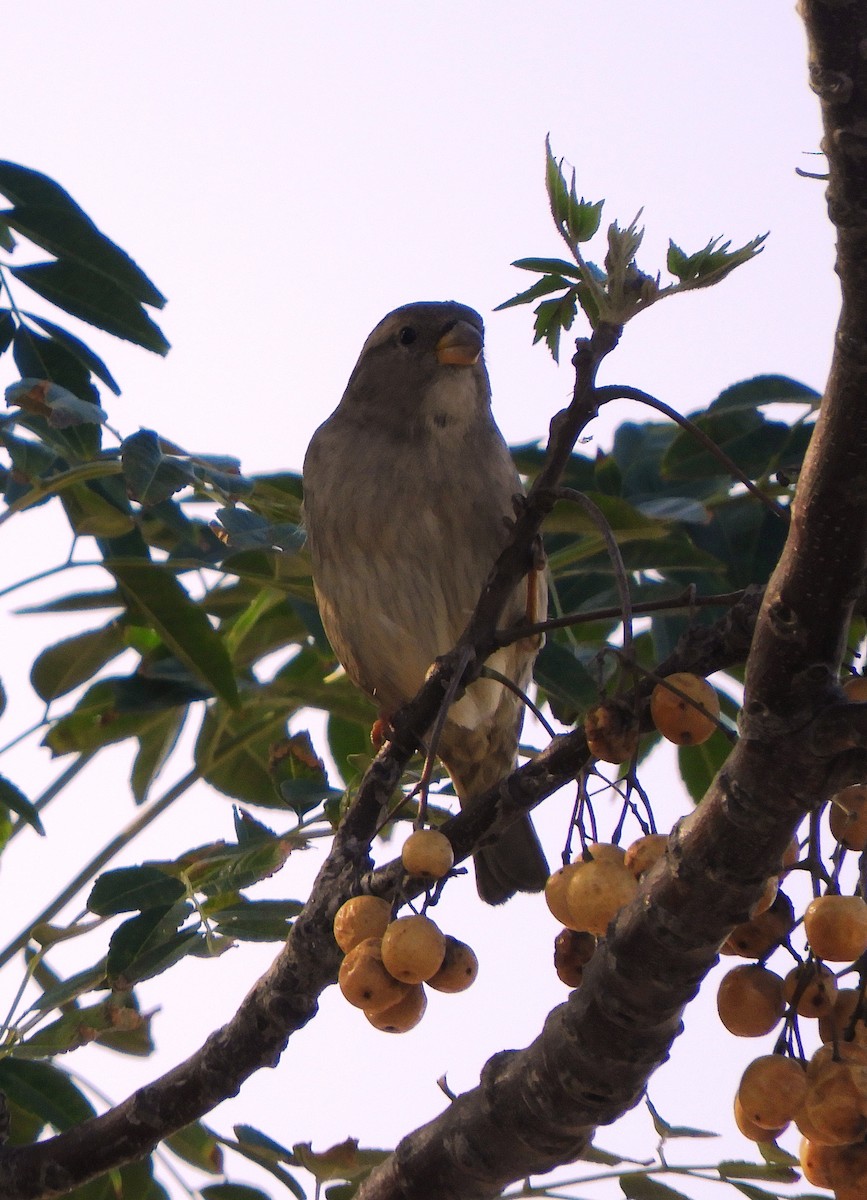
x=848, y=1171
x=596, y=892
x=428, y=854
x=364, y=980
x=611, y=731
x=791, y=855
x=816, y=1162
x=771, y=1090
x=756, y=1133
x=402, y=1016
x=459, y=968
x=835, y=1103
x=847, y=816
x=855, y=688
x=836, y=927
x=750, y=1000
x=759, y=936
x=815, y=988
x=645, y=852
x=413, y=949
x=572, y=952
x=359, y=918
x=840, y=1023
x=606, y=851
x=676, y=716
x=555, y=892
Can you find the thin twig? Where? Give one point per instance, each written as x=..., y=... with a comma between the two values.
x=490, y=673
x=624, y=392
x=621, y=579
x=685, y=600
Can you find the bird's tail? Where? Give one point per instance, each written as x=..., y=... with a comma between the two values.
x=515, y=863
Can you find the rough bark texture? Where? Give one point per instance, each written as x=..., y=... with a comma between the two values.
x=538, y=1107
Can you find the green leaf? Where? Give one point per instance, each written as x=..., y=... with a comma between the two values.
x=44, y=1091
x=639, y=1186
x=197, y=1145
x=268, y=1154
x=667, y=1131
x=255, y=920
x=714, y=262
x=146, y=945
x=548, y=266
x=15, y=800
x=576, y=220
x=92, y=362
x=152, y=476
x=542, y=287
x=220, y=869
x=350, y=746
x=7, y=329
x=46, y=214
x=56, y=404
x=765, y=389
x=158, y=600
x=128, y=889
x=65, y=665
x=67, y=990
x=78, y=1027
x=155, y=748
x=93, y=298
x=552, y=317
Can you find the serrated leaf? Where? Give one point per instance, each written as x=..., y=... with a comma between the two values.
x=145, y=946
x=96, y=299
x=15, y=800
x=44, y=1091
x=542, y=287
x=129, y=889
x=45, y=213
x=157, y=597
x=92, y=362
x=67, y=664
x=712, y=263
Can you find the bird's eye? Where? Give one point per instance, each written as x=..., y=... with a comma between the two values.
x=407, y=335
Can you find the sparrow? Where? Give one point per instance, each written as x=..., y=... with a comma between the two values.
x=408, y=500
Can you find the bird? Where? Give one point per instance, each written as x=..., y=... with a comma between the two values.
x=409, y=494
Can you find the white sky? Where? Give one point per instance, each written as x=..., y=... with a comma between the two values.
x=288, y=173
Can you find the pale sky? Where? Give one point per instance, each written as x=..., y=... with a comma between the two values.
x=286, y=175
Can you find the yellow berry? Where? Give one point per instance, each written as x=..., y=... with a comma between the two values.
x=645, y=852
x=597, y=891
x=555, y=892
x=459, y=968
x=771, y=1091
x=836, y=927
x=679, y=720
x=428, y=854
x=413, y=949
x=815, y=988
x=750, y=1000
x=359, y=918
x=847, y=816
x=404, y=1015
x=364, y=980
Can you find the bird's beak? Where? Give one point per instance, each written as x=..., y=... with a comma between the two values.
x=460, y=346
